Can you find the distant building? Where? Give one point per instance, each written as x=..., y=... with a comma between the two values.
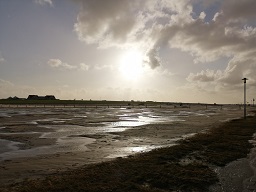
x=36, y=97
x=33, y=97
x=15, y=98
x=50, y=97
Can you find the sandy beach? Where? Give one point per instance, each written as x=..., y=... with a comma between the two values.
x=41, y=142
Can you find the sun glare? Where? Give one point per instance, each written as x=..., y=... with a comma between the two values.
x=131, y=65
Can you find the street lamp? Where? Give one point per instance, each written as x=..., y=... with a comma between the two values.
x=244, y=79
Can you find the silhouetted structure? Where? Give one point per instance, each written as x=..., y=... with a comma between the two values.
x=50, y=97
x=15, y=98
x=36, y=97
x=244, y=79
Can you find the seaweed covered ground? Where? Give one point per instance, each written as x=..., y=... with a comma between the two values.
x=187, y=166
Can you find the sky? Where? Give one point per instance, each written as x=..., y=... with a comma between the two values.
x=148, y=50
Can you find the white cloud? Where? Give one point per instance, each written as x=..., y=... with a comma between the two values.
x=205, y=76
x=54, y=62
x=1, y=58
x=84, y=67
x=167, y=73
x=57, y=63
x=102, y=67
x=238, y=68
x=202, y=15
x=227, y=84
x=44, y=2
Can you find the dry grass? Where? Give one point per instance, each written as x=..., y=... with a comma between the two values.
x=158, y=170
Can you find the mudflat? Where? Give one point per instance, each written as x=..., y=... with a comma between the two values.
x=122, y=139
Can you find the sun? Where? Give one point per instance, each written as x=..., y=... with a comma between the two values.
x=131, y=65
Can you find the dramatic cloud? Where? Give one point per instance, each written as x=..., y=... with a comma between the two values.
x=152, y=24
x=57, y=63
x=44, y=2
x=128, y=23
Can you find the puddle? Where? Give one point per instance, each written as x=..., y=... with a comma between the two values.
x=64, y=144
x=7, y=145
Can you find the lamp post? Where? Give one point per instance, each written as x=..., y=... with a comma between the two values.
x=244, y=79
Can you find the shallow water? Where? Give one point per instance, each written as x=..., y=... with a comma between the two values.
x=69, y=125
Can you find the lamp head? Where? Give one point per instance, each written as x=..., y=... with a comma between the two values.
x=244, y=79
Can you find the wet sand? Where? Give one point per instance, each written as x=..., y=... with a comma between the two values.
x=97, y=147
